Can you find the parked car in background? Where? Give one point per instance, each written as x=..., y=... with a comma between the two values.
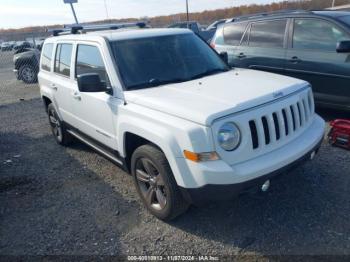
x=26, y=63
x=215, y=25
x=196, y=28
x=22, y=45
x=6, y=46
x=39, y=43
x=162, y=104
x=310, y=45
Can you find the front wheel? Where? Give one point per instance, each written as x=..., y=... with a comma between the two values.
x=156, y=184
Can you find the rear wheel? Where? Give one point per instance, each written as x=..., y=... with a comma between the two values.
x=60, y=133
x=155, y=183
x=28, y=74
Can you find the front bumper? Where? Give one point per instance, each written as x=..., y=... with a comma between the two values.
x=209, y=193
x=215, y=180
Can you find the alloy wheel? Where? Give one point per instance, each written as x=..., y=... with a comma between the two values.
x=28, y=74
x=151, y=184
x=55, y=125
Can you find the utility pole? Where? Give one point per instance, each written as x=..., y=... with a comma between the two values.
x=188, y=16
x=71, y=2
x=333, y=3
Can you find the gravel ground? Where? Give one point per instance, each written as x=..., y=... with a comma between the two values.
x=72, y=201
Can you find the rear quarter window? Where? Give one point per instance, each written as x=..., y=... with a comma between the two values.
x=46, y=57
x=219, y=37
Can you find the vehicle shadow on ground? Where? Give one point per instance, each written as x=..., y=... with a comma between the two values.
x=52, y=204
x=305, y=212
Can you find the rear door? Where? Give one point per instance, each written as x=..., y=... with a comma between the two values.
x=263, y=46
x=62, y=83
x=228, y=38
x=312, y=56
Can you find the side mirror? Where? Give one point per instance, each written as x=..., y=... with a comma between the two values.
x=224, y=57
x=92, y=83
x=343, y=47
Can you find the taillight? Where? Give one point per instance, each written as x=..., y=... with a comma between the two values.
x=212, y=44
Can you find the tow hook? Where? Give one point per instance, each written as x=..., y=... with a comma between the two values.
x=265, y=187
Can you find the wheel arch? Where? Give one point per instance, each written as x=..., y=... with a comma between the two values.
x=21, y=62
x=46, y=102
x=132, y=139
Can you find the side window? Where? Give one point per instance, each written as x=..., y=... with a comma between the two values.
x=46, y=57
x=245, y=39
x=316, y=34
x=233, y=33
x=63, y=59
x=89, y=60
x=268, y=34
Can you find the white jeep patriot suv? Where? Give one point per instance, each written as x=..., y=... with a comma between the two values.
x=163, y=105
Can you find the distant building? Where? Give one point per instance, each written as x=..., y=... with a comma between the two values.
x=340, y=8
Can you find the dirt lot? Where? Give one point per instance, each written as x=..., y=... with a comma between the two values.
x=71, y=201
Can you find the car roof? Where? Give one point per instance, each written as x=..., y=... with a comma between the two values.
x=332, y=13
x=121, y=34
x=291, y=13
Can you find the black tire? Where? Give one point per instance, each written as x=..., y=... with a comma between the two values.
x=28, y=74
x=60, y=133
x=161, y=184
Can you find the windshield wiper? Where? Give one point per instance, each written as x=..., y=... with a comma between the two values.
x=154, y=82
x=209, y=72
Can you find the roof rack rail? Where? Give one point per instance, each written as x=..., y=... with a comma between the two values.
x=80, y=29
x=263, y=14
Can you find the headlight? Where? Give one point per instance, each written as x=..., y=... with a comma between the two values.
x=229, y=136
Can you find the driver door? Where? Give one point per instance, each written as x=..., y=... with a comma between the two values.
x=96, y=112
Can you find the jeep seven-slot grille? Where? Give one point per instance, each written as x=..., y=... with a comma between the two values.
x=270, y=128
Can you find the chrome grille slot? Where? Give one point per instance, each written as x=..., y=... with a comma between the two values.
x=286, y=124
x=293, y=117
x=254, y=134
x=277, y=128
x=266, y=130
x=273, y=127
x=306, y=110
x=301, y=113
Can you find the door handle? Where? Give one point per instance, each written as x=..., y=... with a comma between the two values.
x=76, y=96
x=53, y=86
x=241, y=55
x=295, y=60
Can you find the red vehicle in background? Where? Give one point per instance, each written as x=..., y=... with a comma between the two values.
x=339, y=135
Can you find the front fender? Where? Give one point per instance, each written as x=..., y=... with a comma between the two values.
x=172, y=135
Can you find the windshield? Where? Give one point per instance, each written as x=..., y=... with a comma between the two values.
x=153, y=61
x=345, y=19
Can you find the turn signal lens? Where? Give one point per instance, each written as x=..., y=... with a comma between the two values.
x=201, y=157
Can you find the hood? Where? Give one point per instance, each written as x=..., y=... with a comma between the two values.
x=206, y=99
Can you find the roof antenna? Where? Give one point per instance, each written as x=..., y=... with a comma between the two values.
x=107, y=15
x=71, y=2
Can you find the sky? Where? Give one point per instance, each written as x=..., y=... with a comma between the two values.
x=22, y=13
